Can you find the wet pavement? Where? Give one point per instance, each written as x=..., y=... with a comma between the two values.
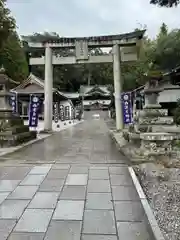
x=73, y=185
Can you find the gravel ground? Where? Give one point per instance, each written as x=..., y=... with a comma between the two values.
x=162, y=188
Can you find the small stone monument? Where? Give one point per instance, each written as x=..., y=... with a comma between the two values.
x=12, y=128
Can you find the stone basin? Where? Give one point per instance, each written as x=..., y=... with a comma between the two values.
x=159, y=136
x=156, y=121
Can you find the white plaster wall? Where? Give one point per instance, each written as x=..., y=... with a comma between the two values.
x=62, y=125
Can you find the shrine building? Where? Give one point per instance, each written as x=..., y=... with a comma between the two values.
x=95, y=97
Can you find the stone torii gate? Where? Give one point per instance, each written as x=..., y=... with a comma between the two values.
x=125, y=47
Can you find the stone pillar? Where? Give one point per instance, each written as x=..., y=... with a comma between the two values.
x=117, y=86
x=48, y=93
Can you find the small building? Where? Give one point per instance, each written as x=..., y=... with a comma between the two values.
x=96, y=97
x=34, y=85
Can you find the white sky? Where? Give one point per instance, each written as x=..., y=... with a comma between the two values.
x=90, y=17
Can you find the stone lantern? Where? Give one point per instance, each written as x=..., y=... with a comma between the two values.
x=152, y=127
x=5, y=82
x=12, y=128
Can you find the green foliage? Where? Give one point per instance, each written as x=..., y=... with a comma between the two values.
x=163, y=30
x=165, y=3
x=7, y=23
x=12, y=57
x=167, y=53
x=11, y=53
x=177, y=113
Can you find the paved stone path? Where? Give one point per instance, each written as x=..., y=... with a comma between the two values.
x=74, y=185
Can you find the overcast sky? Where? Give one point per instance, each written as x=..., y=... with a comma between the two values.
x=90, y=17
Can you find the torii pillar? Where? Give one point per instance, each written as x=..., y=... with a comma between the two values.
x=48, y=90
x=117, y=86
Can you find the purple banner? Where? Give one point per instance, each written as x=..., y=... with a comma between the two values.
x=34, y=111
x=127, y=107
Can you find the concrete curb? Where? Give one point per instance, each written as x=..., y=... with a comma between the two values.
x=151, y=221
x=117, y=144
x=24, y=145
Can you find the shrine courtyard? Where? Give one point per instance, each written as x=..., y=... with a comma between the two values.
x=74, y=185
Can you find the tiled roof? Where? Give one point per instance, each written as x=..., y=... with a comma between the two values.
x=85, y=89
x=32, y=79
x=71, y=95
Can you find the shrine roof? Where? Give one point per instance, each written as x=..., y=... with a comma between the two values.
x=55, y=39
x=71, y=95
x=90, y=90
x=33, y=85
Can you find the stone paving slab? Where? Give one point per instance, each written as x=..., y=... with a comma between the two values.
x=77, y=179
x=132, y=231
x=99, y=237
x=51, y=185
x=12, y=209
x=121, y=180
x=34, y=220
x=99, y=201
x=6, y=226
x=128, y=211
x=73, y=193
x=99, y=222
x=8, y=185
x=3, y=196
x=80, y=189
x=41, y=169
x=26, y=236
x=99, y=186
x=16, y=173
x=58, y=173
x=44, y=200
x=124, y=193
x=98, y=174
x=33, y=180
x=78, y=170
x=64, y=230
x=61, y=166
x=23, y=192
x=69, y=210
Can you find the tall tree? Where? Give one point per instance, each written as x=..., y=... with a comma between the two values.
x=163, y=31
x=167, y=54
x=12, y=57
x=165, y=3
x=7, y=23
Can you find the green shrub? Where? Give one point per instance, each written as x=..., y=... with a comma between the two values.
x=177, y=113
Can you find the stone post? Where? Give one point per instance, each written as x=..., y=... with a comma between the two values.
x=48, y=92
x=117, y=86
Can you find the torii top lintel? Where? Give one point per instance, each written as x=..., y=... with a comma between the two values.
x=107, y=40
